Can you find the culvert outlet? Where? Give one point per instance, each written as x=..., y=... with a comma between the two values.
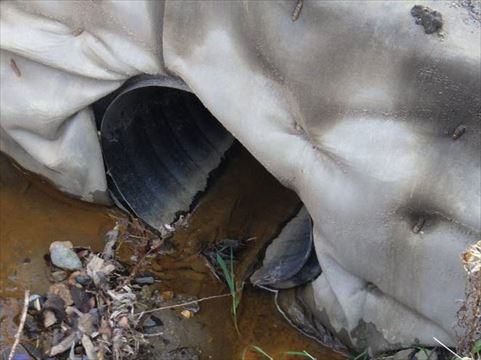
x=160, y=145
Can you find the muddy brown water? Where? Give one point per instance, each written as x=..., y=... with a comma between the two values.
x=244, y=202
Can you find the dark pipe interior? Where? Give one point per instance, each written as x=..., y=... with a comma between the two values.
x=160, y=144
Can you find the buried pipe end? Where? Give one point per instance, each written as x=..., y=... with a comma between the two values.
x=160, y=144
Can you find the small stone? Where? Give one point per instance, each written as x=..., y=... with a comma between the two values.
x=64, y=257
x=187, y=314
x=55, y=304
x=403, y=354
x=35, y=302
x=49, y=318
x=83, y=280
x=167, y=295
x=145, y=280
x=63, y=292
x=152, y=321
x=67, y=244
x=426, y=354
x=81, y=299
x=58, y=276
x=146, y=292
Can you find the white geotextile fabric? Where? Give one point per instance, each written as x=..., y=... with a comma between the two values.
x=352, y=105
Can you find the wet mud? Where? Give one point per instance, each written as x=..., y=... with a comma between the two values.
x=244, y=202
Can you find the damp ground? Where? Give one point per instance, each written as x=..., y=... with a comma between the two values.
x=244, y=203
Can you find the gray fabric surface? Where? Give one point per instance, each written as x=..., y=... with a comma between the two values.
x=352, y=105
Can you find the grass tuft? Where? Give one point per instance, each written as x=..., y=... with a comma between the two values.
x=229, y=277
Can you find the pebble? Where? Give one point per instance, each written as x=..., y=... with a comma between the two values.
x=63, y=292
x=167, y=295
x=83, y=280
x=152, y=321
x=63, y=256
x=49, y=318
x=403, y=354
x=187, y=314
x=426, y=355
x=58, y=276
x=35, y=302
x=145, y=280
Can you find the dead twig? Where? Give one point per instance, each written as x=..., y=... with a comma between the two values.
x=137, y=266
x=181, y=304
x=18, y=335
x=153, y=335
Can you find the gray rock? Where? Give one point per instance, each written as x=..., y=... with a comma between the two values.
x=404, y=354
x=152, y=321
x=83, y=280
x=64, y=258
x=144, y=280
x=58, y=276
x=426, y=355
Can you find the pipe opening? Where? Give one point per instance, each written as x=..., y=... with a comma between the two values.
x=160, y=144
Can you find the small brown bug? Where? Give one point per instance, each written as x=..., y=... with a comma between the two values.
x=15, y=68
x=419, y=224
x=297, y=10
x=458, y=132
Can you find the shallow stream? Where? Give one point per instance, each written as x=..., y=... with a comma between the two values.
x=243, y=202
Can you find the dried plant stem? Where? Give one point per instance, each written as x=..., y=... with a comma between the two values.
x=18, y=335
x=181, y=304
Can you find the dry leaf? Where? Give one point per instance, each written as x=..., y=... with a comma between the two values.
x=86, y=323
x=64, y=345
x=89, y=348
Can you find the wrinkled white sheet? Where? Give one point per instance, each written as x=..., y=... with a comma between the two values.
x=352, y=106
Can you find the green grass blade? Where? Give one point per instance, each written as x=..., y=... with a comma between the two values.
x=228, y=278
x=301, y=353
x=262, y=352
x=362, y=356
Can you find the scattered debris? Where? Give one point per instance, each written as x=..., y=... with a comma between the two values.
x=182, y=304
x=431, y=20
x=96, y=306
